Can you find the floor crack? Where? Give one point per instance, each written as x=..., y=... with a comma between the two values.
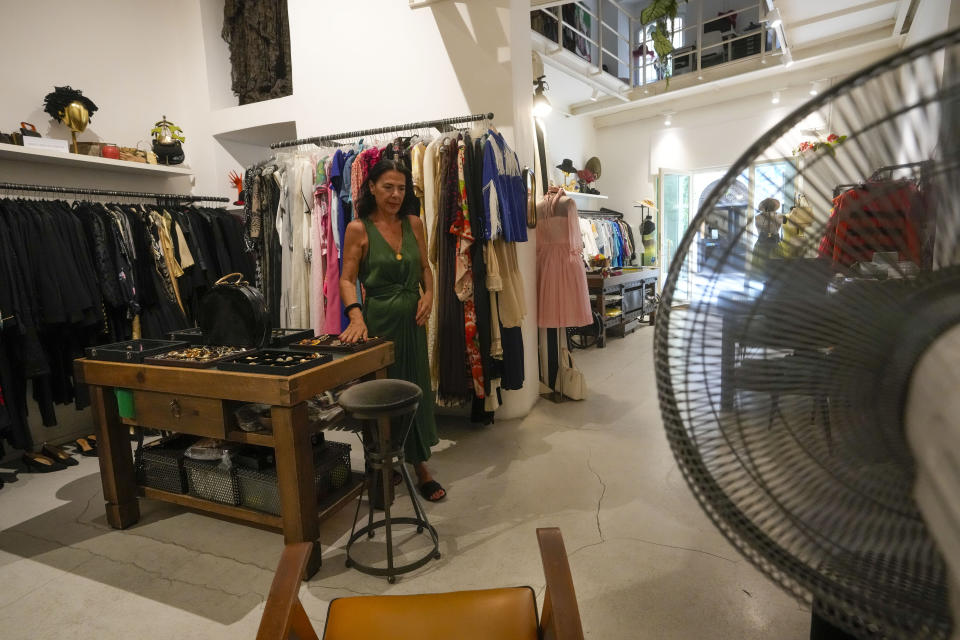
x=602, y=493
x=671, y=546
x=323, y=586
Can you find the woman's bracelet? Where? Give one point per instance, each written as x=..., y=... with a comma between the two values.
x=355, y=305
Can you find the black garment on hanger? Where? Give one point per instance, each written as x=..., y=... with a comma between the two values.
x=454, y=384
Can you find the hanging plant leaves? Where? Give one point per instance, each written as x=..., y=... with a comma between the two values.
x=661, y=40
x=659, y=9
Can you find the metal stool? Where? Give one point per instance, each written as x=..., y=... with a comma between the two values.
x=376, y=402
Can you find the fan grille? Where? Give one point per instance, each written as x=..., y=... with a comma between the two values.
x=777, y=381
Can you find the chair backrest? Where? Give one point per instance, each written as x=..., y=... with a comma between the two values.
x=559, y=620
x=283, y=612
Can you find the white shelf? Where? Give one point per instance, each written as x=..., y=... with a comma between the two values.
x=587, y=196
x=15, y=153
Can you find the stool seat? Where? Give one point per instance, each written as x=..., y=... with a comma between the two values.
x=501, y=614
x=378, y=398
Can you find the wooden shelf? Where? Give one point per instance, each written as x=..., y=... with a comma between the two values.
x=249, y=437
x=16, y=153
x=209, y=506
x=326, y=508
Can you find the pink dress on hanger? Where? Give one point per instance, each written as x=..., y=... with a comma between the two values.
x=562, y=297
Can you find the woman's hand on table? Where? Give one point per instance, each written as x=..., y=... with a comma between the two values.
x=355, y=331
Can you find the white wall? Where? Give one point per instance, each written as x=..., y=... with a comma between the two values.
x=932, y=18
x=571, y=137
x=106, y=49
x=707, y=137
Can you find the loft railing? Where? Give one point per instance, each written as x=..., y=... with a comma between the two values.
x=613, y=41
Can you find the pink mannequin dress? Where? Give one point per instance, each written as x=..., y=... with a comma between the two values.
x=562, y=298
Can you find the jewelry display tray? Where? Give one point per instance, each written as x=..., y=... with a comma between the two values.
x=339, y=348
x=132, y=350
x=262, y=364
x=193, y=364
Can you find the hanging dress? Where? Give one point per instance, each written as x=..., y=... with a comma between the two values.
x=390, y=310
x=562, y=297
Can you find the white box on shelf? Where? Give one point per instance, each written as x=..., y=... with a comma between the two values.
x=50, y=144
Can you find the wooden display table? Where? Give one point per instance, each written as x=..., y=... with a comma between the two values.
x=201, y=402
x=634, y=289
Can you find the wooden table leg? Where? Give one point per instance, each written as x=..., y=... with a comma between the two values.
x=116, y=460
x=295, y=479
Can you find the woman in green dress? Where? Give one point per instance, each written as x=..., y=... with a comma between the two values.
x=385, y=246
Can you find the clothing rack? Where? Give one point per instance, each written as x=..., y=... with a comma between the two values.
x=178, y=197
x=922, y=165
x=840, y=188
x=878, y=175
x=372, y=132
x=601, y=214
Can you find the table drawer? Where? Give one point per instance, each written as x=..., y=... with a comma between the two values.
x=186, y=414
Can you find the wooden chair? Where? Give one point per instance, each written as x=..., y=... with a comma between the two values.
x=505, y=613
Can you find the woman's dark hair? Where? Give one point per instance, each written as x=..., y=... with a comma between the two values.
x=367, y=204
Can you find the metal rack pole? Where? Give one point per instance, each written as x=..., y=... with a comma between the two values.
x=40, y=188
x=376, y=131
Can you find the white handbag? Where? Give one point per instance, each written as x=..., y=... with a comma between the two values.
x=570, y=380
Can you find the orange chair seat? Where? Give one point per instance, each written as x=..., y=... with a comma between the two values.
x=500, y=614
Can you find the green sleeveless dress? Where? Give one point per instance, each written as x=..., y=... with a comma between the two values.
x=390, y=311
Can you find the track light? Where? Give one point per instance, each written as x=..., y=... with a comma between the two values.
x=667, y=121
x=776, y=98
x=787, y=58
x=595, y=95
x=541, y=106
x=815, y=87
x=773, y=18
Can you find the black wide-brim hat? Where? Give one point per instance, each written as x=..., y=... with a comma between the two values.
x=567, y=166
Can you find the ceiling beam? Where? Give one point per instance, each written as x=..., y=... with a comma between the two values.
x=906, y=9
x=794, y=24
x=877, y=31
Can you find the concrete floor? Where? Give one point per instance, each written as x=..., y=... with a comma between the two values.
x=646, y=562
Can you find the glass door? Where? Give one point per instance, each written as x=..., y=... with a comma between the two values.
x=674, y=203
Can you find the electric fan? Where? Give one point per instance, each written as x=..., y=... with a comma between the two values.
x=810, y=392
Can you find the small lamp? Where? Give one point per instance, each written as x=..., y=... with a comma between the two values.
x=541, y=106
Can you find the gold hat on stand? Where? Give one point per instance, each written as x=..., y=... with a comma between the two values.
x=71, y=107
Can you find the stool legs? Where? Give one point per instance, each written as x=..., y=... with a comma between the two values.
x=383, y=460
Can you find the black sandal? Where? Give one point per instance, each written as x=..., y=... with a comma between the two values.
x=38, y=463
x=58, y=454
x=85, y=447
x=427, y=489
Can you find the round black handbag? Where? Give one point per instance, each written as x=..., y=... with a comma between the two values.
x=234, y=314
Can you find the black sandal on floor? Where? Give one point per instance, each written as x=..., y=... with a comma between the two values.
x=427, y=489
x=54, y=452
x=36, y=463
x=84, y=447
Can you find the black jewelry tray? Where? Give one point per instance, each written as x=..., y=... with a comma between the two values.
x=132, y=350
x=193, y=335
x=262, y=362
x=278, y=337
x=332, y=344
x=283, y=337
x=192, y=364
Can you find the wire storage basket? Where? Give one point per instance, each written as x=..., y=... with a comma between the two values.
x=259, y=489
